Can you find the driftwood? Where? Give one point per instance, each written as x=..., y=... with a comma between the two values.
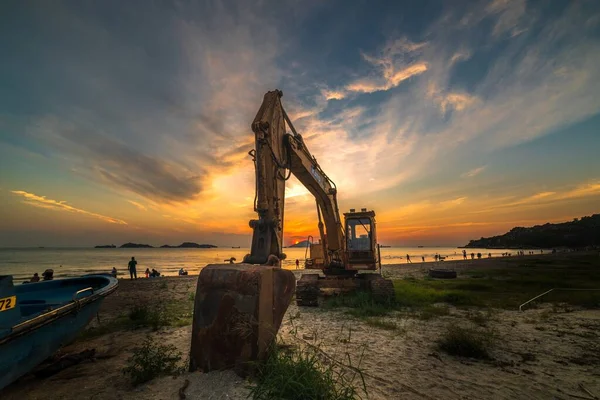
x=64, y=362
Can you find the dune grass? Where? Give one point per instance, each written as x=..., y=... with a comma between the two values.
x=504, y=288
x=511, y=286
x=151, y=360
x=466, y=342
x=299, y=373
x=175, y=313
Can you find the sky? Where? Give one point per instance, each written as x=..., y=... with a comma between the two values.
x=130, y=121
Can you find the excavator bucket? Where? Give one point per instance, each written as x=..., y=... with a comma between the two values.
x=237, y=312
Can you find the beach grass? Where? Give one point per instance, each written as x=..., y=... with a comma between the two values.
x=173, y=313
x=511, y=286
x=151, y=360
x=301, y=373
x=466, y=342
x=503, y=288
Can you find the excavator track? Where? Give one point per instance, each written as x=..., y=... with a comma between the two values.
x=308, y=288
x=380, y=288
x=307, y=291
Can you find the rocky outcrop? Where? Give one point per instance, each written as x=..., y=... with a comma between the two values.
x=190, y=245
x=579, y=233
x=237, y=313
x=135, y=246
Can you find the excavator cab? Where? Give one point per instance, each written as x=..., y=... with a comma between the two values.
x=361, y=240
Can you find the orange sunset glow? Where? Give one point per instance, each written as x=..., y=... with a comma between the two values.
x=449, y=131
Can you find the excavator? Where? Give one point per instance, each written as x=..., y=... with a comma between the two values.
x=345, y=247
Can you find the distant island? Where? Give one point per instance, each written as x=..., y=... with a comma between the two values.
x=184, y=245
x=135, y=246
x=189, y=245
x=303, y=243
x=584, y=232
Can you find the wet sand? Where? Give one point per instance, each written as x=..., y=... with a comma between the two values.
x=540, y=355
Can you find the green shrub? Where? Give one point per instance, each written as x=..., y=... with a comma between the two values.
x=143, y=316
x=152, y=360
x=299, y=374
x=361, y=304
x=382, y=324
x=466, y=342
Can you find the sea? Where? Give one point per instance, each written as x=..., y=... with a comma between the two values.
x=69, y=262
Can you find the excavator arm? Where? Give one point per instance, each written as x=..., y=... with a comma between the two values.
x=277, y=155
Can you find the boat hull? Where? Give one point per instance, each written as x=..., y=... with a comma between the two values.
x=27, y=351
x=38, y=336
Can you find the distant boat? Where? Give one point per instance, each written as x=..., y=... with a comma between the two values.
x=235, y=247
x=36, y=319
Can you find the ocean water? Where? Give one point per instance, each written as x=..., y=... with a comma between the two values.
x=67, y=262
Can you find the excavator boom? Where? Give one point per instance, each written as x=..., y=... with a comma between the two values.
x=277, y=155
x=344, y=248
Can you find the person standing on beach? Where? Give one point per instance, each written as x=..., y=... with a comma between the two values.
x=132, y=266
x=408, y=259
x=297, y=263
x=464, y=254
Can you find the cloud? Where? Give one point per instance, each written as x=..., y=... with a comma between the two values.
x=43, y=202
x=118, y=165
x=155, y=113
x=452, y=203
x=333, y=94
x=390, y=80
x=138, y=205
x=582, y=190
x=473, y=172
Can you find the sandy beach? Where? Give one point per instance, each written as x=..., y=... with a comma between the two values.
x=546, y=352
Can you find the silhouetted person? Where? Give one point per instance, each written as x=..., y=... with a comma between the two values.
x=479, y=256
x=489, y=255
x=114, y=272
x=147, y=273
x=472, y=256
x=408, y=259
x=48, y=275
x=35, y=278
x=464, y=254
x=297, y=263
x=423, y=258
x=132, y=268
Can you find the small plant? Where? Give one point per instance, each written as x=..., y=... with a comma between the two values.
x=430, y=311
x=382, y=324
x=192, y=296
x=478, y=317
x=143, y=316
x=466, y=342
x=292, y=373
x=152, y=360
x=361, y=304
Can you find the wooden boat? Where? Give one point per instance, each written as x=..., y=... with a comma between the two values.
x=36, y=319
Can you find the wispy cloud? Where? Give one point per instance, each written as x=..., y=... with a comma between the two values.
x=333, y=94
x=582, y=190
x=473, y=172
x=42, y=201
x=452, y=203
x=138, y=205
x=390, y=79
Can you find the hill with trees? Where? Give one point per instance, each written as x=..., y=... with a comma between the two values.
x=578, y=233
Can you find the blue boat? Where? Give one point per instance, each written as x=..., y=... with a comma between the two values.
x=36, y=319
